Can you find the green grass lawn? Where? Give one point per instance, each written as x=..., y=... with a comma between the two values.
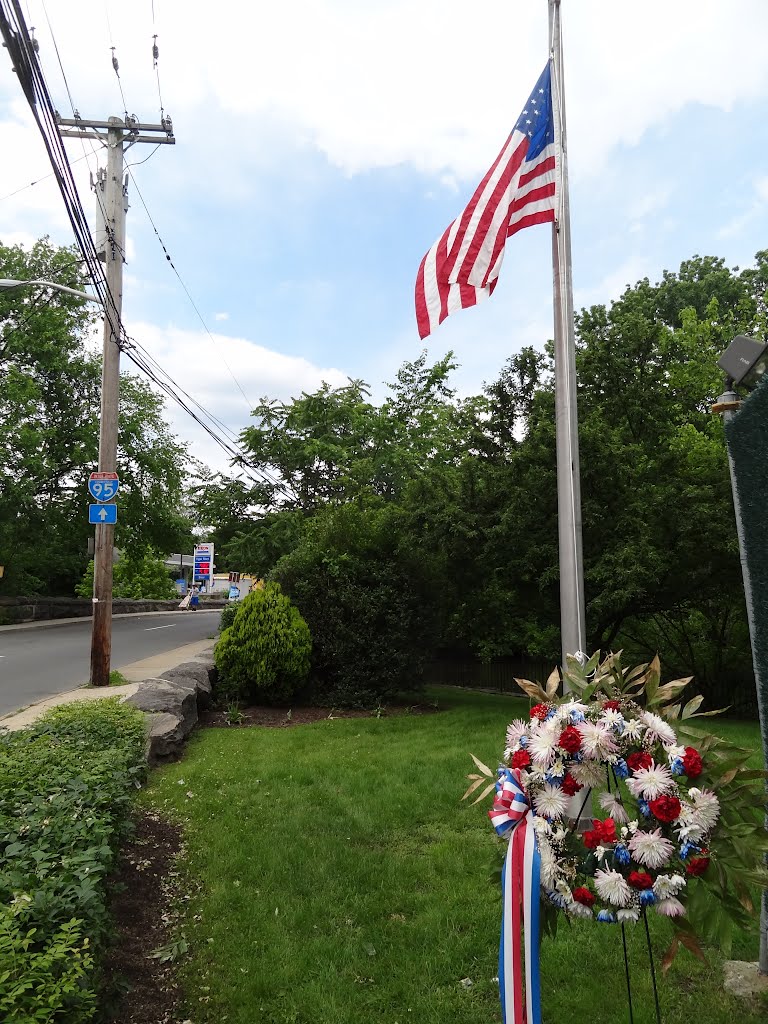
x=341, y=880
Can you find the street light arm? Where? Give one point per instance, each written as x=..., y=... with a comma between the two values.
x=7, y=283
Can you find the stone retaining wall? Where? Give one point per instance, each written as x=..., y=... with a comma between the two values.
x=34, y=609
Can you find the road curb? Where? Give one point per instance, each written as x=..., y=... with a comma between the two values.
x=135, y=673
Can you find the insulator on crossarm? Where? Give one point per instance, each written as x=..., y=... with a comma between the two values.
x=115, y=65
x=35, y=44
x=167, y=124
x=155, y=50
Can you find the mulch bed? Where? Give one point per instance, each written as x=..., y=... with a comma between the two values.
x=139, y=989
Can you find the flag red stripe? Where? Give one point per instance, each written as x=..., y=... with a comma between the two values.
x=542, y=217
x=542, y=168
x=480, y=235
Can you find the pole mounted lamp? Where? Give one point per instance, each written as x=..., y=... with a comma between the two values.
x=745, y=361
x=7, y=283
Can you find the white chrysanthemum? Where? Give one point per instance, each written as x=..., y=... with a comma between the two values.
x=650, y=848
x=515, y=730
x=589, y=773
x=550, y=802
x=557, y=768
x=565, y=710
x=612, y=719
x=599, y=853
x=633, y=825
x=541, y=826
x=613, y=806
x=674, y=751
x=596, y=740
x=629, y=914
x=657, y=728
x=548, y=865
x=669, y=907
x=612, y=886
x=542, y=745
x=707, y=807
x=698, y=814
x=668, y=885
x=579, y=910
x=633, y=729
x=651, y=782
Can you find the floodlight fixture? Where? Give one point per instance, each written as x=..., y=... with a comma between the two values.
x=745, y=361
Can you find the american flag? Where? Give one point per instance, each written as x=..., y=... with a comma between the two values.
x=462, y=267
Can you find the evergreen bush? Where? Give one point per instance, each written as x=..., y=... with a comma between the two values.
x=264, y=655
x=228, y=613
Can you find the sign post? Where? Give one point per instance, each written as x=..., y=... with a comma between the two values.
x=202, y=571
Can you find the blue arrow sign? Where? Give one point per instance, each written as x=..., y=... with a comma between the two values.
x=103, y=490
x=102, y=514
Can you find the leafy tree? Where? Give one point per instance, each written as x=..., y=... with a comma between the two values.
x=49, y=408
x=136, y=575
x=367, y=599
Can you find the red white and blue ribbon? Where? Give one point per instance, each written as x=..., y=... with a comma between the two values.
x=512, y=816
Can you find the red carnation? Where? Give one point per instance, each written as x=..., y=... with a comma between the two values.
x=520, y=759
x=602, y=832
x=665, y=808
x=640, y=880
x=639, y=761
x=570, y=739
x=697, y=865
x=607, y=830
x=692, y=763
x=539, y=711
x=582, y=895
x=569, y=785
x=611, y=705
x=591, y=839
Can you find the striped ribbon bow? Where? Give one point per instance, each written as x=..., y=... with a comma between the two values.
x=512, y=816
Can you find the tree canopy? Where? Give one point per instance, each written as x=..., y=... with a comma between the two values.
x=474, y=481
x=50, y=382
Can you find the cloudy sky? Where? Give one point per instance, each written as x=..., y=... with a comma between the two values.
x=323, y=145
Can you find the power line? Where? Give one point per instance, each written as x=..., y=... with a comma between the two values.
x=32, y=81
x=187, y=292
x=38, y=180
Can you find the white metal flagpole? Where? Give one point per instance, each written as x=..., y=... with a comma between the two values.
x=572, y=616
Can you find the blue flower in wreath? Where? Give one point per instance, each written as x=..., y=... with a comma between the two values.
x=621, y=854
x=551, y=714
x=647, y=897
x=578, y=757
x=677, y=766
x=687, y=849
x=556, y=898
x=621, y=768
x=577, y=716
x=606, y=916
x=645, y=810
x=523, y=741
x=554, y=780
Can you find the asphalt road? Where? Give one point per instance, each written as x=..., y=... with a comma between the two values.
x=43, y=660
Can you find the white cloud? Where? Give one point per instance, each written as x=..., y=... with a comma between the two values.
x=221, y=316
x=216, y=370
x=756, y=207
x=404, y=81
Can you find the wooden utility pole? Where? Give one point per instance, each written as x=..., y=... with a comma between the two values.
x=116, y=134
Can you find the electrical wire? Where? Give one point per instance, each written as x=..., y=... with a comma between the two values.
x=38, y=180
x=188, y=294
x=32, y=80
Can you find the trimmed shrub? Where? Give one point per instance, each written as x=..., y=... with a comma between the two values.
x=228, y=613
x=368, y=600
x=65, y=799
x=264, y=655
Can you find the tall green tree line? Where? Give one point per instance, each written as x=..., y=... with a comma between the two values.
x=471, y=485
x=50, y=382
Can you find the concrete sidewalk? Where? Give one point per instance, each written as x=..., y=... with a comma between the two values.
x=144, y=669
